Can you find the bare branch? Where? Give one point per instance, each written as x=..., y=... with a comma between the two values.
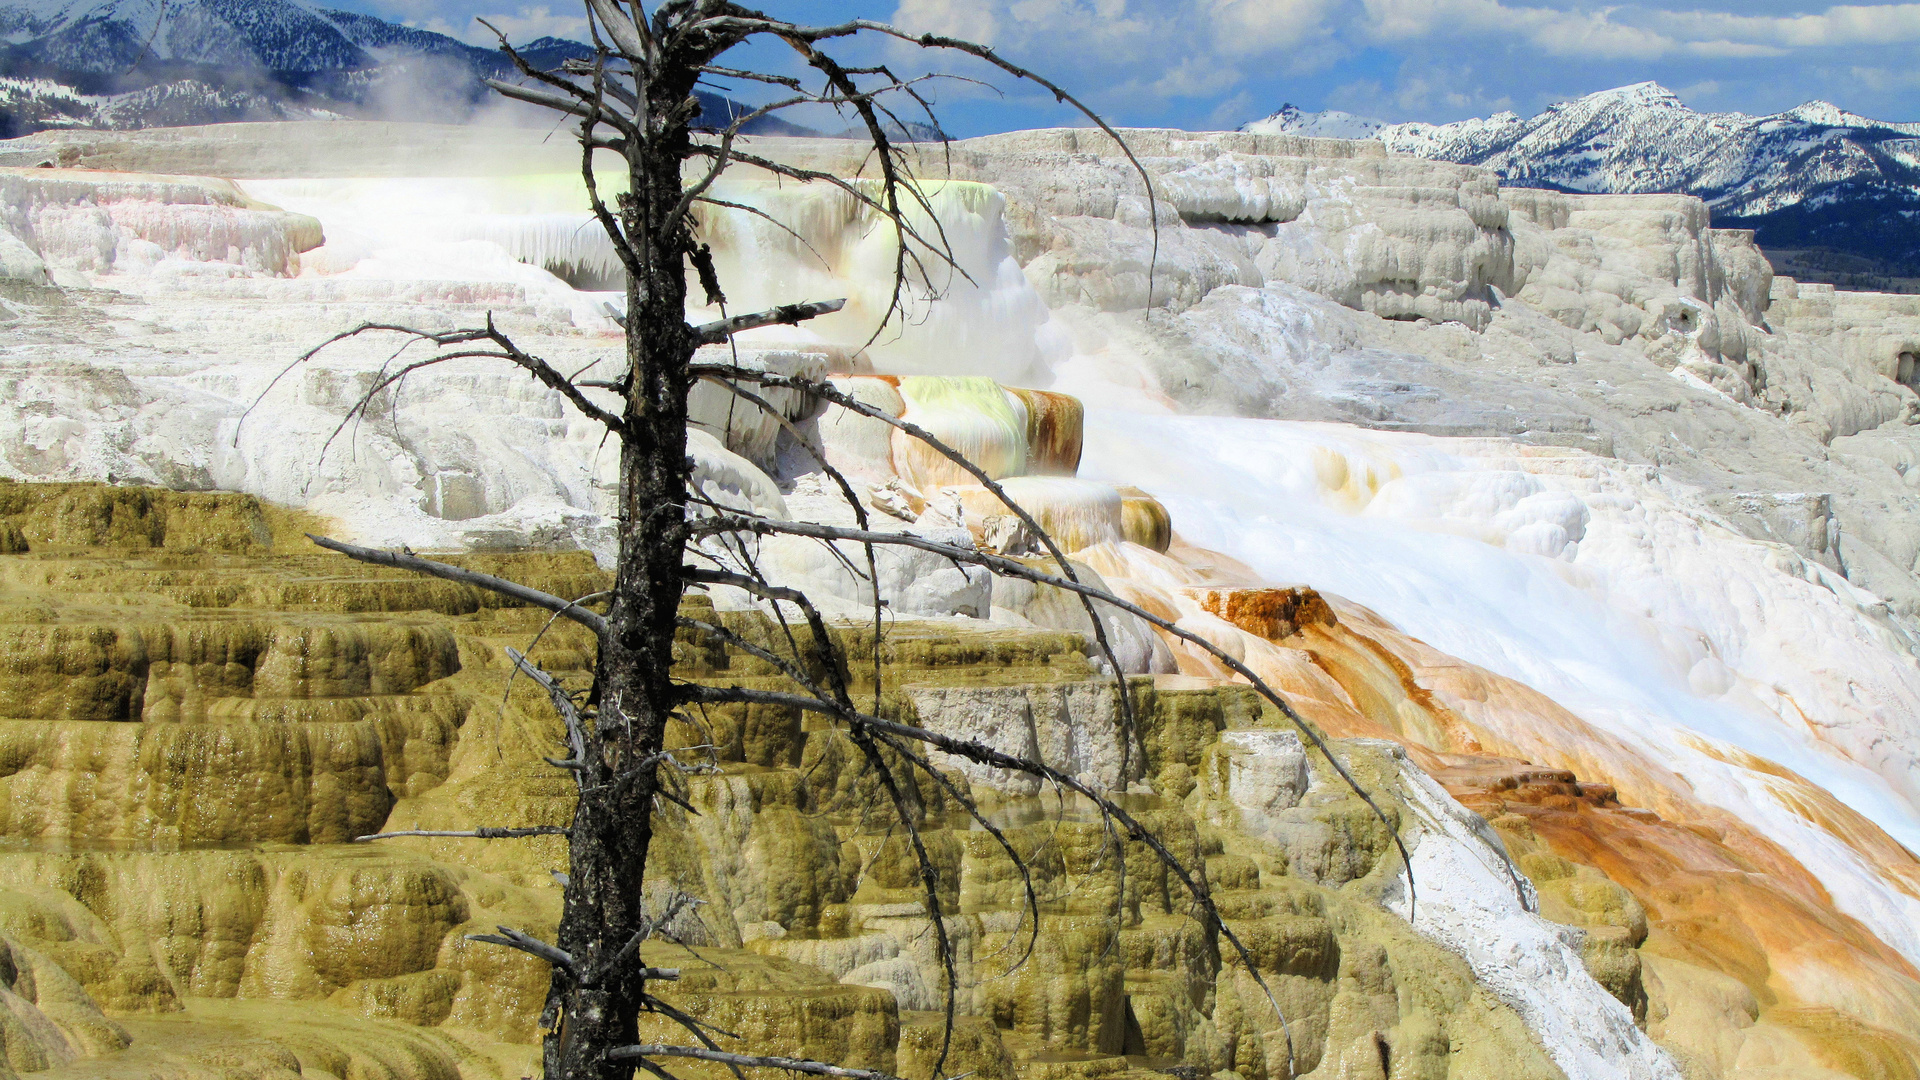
x=534, y=96
x=482, y=833
x=785, y=666
x=697, y=1028
x=365, y=327
x=568, y=89
x=629, y=34
x=754, y=76
x=661, y=792
x=648, y=925
x=552, y=378
x=513, y=590
x=622, y=243
x=562, y=704
x=794, y=172
x=722, y=154
x=770, y=219
x=507, y=351
x=533, y=946
x=520, y=659
x=961, y=796
x=595, y=68
x=829, y=657
x=929, y=882
x=893, y=175
x=714, y=333
x=749, y=1061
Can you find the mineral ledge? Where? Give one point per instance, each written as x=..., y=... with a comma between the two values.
x=1588, y=541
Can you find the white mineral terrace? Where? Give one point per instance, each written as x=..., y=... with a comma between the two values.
x=1540, y=476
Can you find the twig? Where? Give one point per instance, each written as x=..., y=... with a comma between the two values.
x=511, y=589
x=714, y=333
x=749, y=1061
x=482, y=833
x=533, y=946
x=562, y=704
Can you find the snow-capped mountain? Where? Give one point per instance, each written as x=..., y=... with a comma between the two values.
x=140, y=63
x=1813, y=176
x=1331, y=124
x=103, y=36
x=28, y=105
x=151, y=63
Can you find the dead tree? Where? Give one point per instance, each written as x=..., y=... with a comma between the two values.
x=635, y=101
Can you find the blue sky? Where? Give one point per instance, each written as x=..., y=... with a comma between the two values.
x=1219, y=63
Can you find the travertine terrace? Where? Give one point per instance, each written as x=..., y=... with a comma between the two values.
x=1590, y=542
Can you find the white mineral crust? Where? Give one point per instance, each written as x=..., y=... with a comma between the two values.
x=1585, y=442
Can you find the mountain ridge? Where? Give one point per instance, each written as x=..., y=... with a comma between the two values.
x=1812, y=177
x=121, y=64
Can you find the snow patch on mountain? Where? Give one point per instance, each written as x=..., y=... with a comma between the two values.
x=103, y=36
x=1331, y=124
x=1644, y=139
x=42, y=104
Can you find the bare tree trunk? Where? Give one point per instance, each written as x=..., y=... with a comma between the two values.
x=613, y=821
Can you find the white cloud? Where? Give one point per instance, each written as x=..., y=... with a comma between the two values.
x=1195, y=78
x=1422, y=89
x=1883, y=79
x=1243, y=27
x=411, y=12
x=529, y=23
x=1644, y=31
x=437, y=25
x=1361, y=96
x=1850, y=24
x=1135, y=49
x=1593, y=35
x=950, y=18
x=1232, y=111
x=1734, y=50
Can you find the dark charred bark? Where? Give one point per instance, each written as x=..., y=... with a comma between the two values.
x=633, y=687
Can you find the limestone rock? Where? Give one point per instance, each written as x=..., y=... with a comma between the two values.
x=814, y=914
x=730, y=480
x=1552, y=409
x=911, y=582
